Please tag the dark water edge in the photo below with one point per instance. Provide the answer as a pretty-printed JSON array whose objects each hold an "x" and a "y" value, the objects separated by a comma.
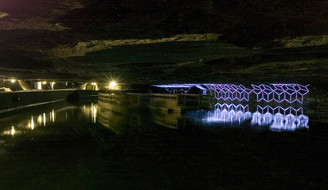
[{"x": 80, "y": 154}]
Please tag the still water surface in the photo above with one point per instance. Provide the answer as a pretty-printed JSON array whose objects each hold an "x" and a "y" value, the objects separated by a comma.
[{"x": 161, "y": 145}]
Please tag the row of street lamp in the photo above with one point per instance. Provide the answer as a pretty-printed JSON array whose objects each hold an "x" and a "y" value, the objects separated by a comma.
[{"x": 39, "y": 85}]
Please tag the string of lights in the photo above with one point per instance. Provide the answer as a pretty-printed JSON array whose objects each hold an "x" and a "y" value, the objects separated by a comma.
[{"x": 289, "y": 93}]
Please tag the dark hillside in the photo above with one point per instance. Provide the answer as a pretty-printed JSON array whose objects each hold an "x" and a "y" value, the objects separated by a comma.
[{"x": 241, "y": 21}]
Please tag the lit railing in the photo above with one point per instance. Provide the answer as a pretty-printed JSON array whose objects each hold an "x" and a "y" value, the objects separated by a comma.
[
  {"x": 280, "y": 92},
  {"x": 289, "y": 93},
  {"x": 230, "y": 91}
]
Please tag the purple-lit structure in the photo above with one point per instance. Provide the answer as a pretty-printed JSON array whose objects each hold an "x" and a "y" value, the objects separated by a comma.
[
  {"x": 277, "y": 118},
  {"x": 289, "y": 93},
  {"x": 230, "y": 92},
  {"x": 176, "y": 88},
  {"x": 280, "y": 92}
]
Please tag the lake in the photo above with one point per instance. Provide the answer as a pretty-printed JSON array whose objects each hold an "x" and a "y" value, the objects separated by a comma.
[{"x": 165, "y": 142}]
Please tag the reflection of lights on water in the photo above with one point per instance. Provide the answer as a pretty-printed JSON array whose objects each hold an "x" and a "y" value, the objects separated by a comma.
[
  {"x": 93, "y": 113},
  {"x": 284, "y": 121},
  {"x": 279, "y": 118},
  {"x": 228, "y": 113},
  {"x": 225, "y": 116},
  {"x": 289, "y": 122},
  {"x": 44, "y": 119},
  {"x": 86, "y": 111},
  {"x": 90, "y": 112},
  {"x": 31, "y": 123},
  {"x": 12, "y": 131},
  {"x": 39, "y": 119},
  {"x": 52, "y": 116},
  {"x": 279, "y": 121}
]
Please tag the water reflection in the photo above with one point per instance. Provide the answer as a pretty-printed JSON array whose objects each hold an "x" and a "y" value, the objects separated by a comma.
[
  {"x": 173, "y": 111},
  {"x": 228, "y": 113},
  {"x": 29, "y": 122},
  {"x": 52, "y": 115},
  {"x": 111, "y": 120},
  {"x": 277, "y": 118},
  {"x": 90, "y": 112},
  {"x": 10, "y": 132},
  {"x": 120, "y": 112}
]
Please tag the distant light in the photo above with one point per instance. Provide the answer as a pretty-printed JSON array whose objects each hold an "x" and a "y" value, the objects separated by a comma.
[
  {"x": 44, "y": 82},
  {"x": 95, "y": 86},
  {"x": 31, "y": 123},
  {"x": 84, "y": 86},
  {"x": 112, "y": 84},
  {"x": 39, "y": 86},
  {"x": 12, "y": 80},
  {"x": 12, "y": 131},
  {"x": 52, "y": 84}
]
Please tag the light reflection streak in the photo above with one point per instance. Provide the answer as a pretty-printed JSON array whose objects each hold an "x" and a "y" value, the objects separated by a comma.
[
  {"x": 42, "y": 119},
  {"x": 90, "y": 112},
  {"x": 39, "y": 120},
  {"x": 93, "y": 113},
  {"x": 277, "y": 119},
  {"x": 228, "y": 113},
  {"x": 52, "y": 115},
  {"x": 31, "y": 123},
  {"x": 11, "y": 132},
  {"x": 280, "y": 122}
]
